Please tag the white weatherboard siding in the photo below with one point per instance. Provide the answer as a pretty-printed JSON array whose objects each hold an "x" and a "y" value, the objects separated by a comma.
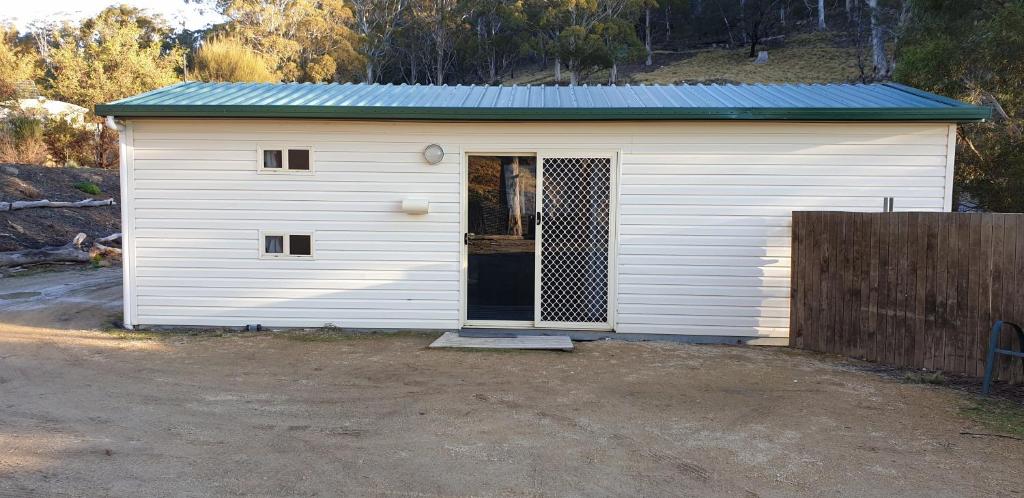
[{"x": 703, "y": 222}]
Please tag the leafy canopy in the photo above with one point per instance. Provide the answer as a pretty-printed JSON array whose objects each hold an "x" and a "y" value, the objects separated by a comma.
[
  {"x": 118, "y": 53},
  {"x": 18, "y": 64},
  {"x": 972, "y": 51}
]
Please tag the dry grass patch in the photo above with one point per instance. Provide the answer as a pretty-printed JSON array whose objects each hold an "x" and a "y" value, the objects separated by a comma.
[
  {"x": 810, "y": 58},
  {"x": 806, "y": 59}
]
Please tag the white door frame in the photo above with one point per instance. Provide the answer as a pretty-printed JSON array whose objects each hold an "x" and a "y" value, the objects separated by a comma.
[{"x": 613, "y": 229}]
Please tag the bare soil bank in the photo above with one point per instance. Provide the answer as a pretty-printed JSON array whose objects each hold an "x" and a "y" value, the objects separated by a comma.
[{"x": 33, "y": 228}]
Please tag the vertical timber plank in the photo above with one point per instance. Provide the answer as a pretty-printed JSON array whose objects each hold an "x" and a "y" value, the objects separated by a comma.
[
  {"x": 963, "y": 277},
  {"x": 884, "y": 286},
  {"x": 923, "y": 258},
  {"x": 810, "y": 265},
  {"x": 944, "y": 296},
  {"x": 902, "y": 251},
  {"x": 995, "y": 285},
  {"x": 863, "y": 281},
  {"x": 797, "y": 265},
  {"x": 829, "y": 232},
  {"x": 871, "y": 352},
  {"x": 842, "y": 284},
  {"x": 931, "y": 339},
  {"x": 974, "y": 303},
  {"x": 1018, "y": 288},
  {"x": 984, "y": 290},
  {"x": 1004, "y": 296}
]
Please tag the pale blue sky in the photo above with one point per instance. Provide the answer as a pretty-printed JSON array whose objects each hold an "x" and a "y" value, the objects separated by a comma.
[{"x": 23, "y": 12}]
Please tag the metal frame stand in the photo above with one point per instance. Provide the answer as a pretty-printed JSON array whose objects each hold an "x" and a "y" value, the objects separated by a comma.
[{"x": 993, "y": 350}]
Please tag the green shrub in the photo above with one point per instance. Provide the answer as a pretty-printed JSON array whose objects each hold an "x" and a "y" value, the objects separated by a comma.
[
  {"x": 22, "y": 128},
  {"x": 69, "y": 144},
  {"x": 88, "y": 187}
]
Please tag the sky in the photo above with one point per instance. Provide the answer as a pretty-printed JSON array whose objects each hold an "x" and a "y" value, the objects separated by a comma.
[{"x": 177, "y": 12}]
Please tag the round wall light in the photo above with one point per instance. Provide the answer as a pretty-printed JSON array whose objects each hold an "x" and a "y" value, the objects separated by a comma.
[{"x": 433, "y": 154}]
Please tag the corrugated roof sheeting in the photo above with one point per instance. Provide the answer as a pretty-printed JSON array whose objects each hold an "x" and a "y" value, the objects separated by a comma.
[{"x": 884, "y": 101}]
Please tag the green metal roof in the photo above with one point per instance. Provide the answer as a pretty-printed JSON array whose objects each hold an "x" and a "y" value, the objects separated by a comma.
[{"x": 815, "y": 102}]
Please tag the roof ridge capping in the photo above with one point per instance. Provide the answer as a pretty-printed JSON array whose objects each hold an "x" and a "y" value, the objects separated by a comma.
[{"x": 803, "y": 102}]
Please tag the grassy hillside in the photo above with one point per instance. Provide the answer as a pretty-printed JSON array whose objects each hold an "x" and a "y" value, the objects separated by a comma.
[{"x": 806, "y": 58}]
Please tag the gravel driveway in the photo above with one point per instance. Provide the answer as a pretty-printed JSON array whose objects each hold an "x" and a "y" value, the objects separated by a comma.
[{"x": 93, "y": 413}]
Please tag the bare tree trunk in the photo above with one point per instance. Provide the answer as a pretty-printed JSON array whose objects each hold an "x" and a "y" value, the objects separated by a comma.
[
  {"x": 881, "y": 61},
  {"x": 743, "y": 24},
  {"x": 647, "y": 39},
  {"x": 668, "y": 23},
  {"x": 821, "y": 16},
  {"x": 849, "y": 8},
  {"x": 728, "y": 29},
  {"x": 574, "y": 77},
  {"x": 558, "y": 69},
  {"x": 613, "y": 73},
  {"x": 439, "y": 67},
  {"x": 369, "y": 72},
  {"x": 514, "y": 194}
]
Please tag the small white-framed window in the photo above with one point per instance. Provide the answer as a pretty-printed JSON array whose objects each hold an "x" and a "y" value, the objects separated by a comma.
[
  {"x": 274, "y": 158},
  {"x": 275, "y": 244}
]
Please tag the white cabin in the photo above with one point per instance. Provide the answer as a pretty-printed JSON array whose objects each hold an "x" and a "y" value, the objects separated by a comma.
[{"x": 637, "y": 210}]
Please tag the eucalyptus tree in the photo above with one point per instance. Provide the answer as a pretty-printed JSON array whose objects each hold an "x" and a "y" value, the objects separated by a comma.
[
  {"x": 498, "y": 36},
  {"x": 377, "y": 21}
]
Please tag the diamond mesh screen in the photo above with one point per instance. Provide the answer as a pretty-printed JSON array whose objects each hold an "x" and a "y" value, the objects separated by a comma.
[{"x": 574, "y": 245}]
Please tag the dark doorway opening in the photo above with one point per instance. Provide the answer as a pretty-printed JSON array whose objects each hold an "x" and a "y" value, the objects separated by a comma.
[{"x": 501, "y": 238}]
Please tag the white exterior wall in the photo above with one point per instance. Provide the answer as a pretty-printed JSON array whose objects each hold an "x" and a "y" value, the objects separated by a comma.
[{"x": 703, "y": 222}]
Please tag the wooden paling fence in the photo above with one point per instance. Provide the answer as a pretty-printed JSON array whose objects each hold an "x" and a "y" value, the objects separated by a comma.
[{"x": 908, "y": 289}]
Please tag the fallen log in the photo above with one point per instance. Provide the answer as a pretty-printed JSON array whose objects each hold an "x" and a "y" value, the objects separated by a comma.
[
  {"x": 102, "y": 250},
  {"x": 70, "y": 252},
  {"x": 12, "y": 206},
  {"x": 109, "y": 238}
]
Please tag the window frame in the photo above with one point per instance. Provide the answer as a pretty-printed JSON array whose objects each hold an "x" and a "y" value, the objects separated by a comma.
[
  {"x": 286, "y": 235},
  {"x": 284, "y": 169}
]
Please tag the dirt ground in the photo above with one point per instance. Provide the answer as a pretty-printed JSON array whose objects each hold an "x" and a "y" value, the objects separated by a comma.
[
  {"x": 90, "y": 412},
  {"x": 33, "y": 228}
]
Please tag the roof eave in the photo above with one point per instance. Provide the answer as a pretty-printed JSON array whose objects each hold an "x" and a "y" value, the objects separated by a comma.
[{"x": 944, "y": 114}]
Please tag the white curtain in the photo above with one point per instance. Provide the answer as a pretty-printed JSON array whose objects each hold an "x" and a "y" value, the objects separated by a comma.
[
  {"x": 272, "y": 159},
  {"x": 274, "y": 244}
]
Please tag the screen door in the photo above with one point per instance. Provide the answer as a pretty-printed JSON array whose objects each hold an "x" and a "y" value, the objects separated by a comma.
[{"x": 575, "y": 234}]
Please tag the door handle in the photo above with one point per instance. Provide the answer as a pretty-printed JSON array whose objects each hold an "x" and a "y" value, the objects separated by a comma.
[{"x": 538, "y": 218}]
